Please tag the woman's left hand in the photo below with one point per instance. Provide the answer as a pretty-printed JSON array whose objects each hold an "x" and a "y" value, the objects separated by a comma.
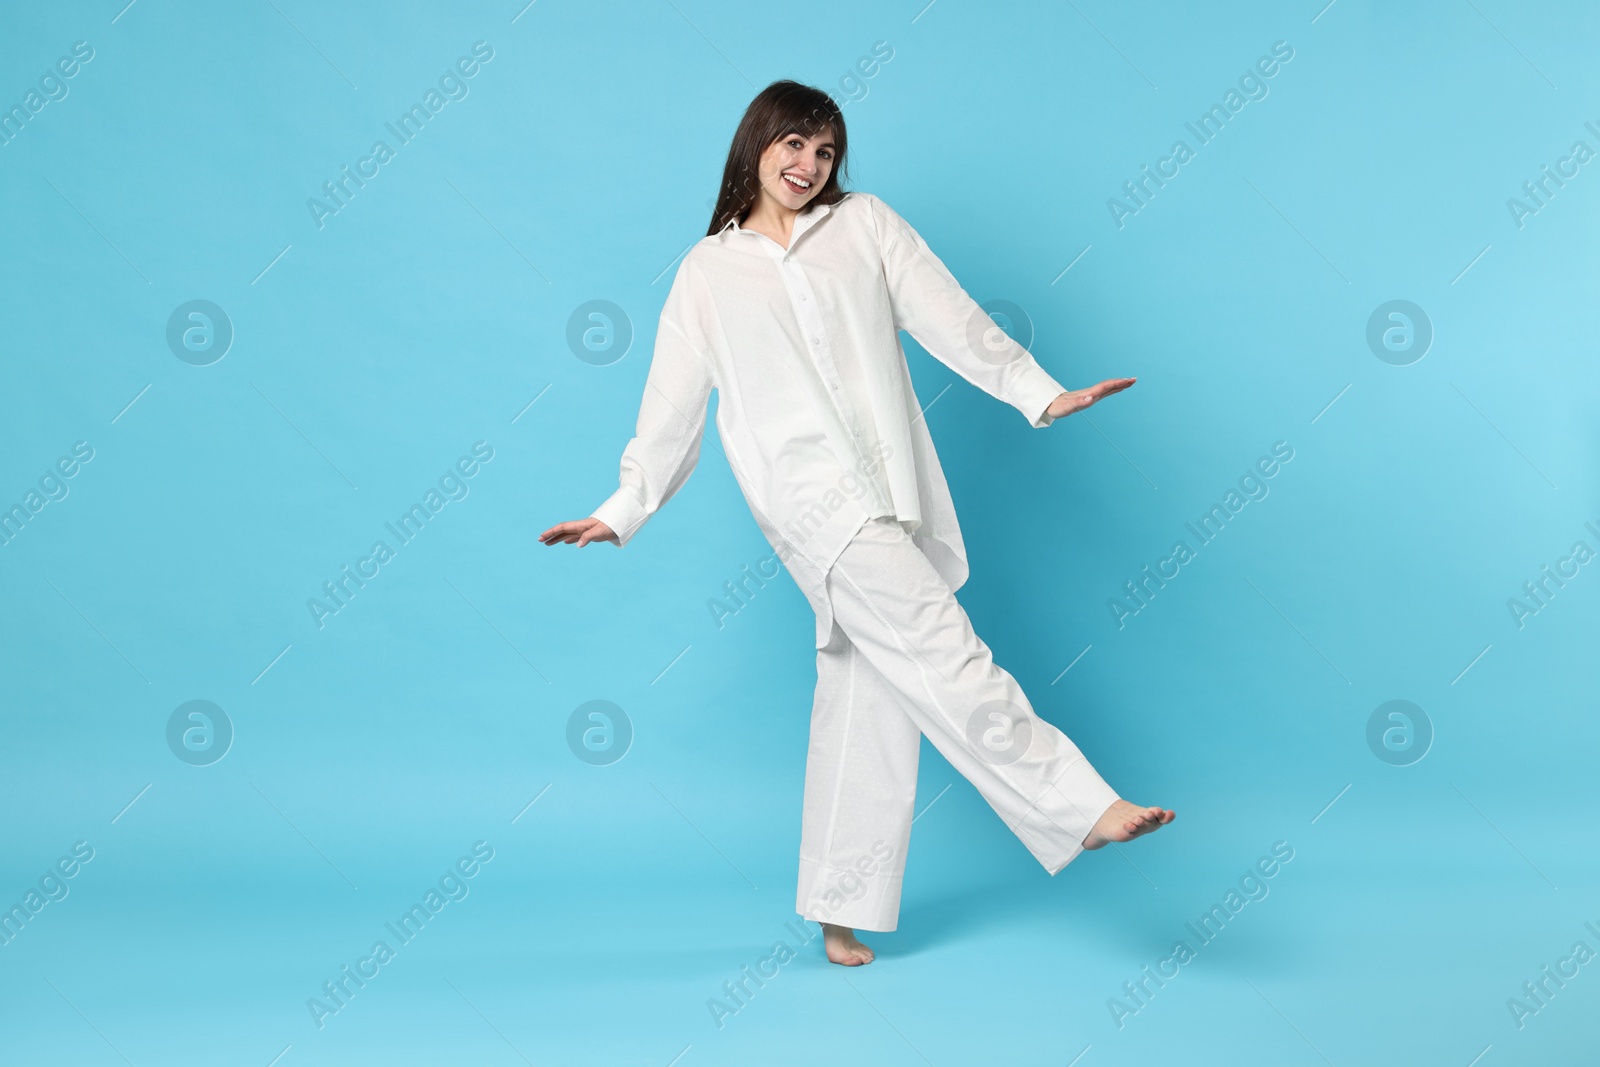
[{"x": 1078, "y": 399}]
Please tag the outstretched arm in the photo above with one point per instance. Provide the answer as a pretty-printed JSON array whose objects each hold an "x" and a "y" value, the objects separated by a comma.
[
  {"x": 666, "y": 442},
  {"x": 931, "y": 306}
]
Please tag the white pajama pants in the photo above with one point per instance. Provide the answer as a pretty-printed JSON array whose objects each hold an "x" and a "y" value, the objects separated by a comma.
[{"x": 903, "y": 661}]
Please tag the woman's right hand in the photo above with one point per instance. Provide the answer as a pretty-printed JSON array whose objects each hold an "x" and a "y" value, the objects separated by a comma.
[{"x": 580, "y": 530}]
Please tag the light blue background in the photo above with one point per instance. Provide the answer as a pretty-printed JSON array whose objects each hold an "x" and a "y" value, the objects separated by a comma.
[{"x": 431, "y": 312}]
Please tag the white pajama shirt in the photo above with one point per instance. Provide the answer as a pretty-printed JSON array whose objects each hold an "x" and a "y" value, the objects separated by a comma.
[
  {"x": 816, "y": 411},
  {"x": 823, "y": 433}
]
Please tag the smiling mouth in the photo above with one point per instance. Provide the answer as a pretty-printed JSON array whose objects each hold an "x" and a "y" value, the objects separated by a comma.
[{"x": 799, "y": 185}]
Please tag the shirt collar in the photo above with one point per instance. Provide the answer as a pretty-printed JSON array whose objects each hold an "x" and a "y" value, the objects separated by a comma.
[{"x": 802, "y": 222}]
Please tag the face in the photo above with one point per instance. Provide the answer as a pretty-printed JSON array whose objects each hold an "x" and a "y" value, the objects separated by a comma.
[{"x": 806, "y": 160}]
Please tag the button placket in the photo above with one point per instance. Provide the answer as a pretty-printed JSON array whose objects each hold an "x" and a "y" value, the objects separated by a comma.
[
  {"x": 794, "y": 281},
  {"x": 814, "y": 330},
  {"x": 810, "y": 320}
]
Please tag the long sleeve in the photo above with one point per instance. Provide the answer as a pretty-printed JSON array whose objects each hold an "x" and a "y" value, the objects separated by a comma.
[
  {"x": 672, "y": 417},
  {"x": 932, "y": 307}
]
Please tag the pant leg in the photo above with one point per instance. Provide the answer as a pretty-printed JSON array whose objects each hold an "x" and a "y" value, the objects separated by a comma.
[
  {"x": 860, "y": 792},
  {"x": 905, "y": 620}
]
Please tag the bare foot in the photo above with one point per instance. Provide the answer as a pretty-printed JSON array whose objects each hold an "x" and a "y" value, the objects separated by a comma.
[
  {"x": 842, "y": 946},
  {"x": 1124, "y": 822}
]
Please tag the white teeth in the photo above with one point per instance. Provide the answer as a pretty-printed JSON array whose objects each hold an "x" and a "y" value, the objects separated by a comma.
[{"x": 802, "y": 183}]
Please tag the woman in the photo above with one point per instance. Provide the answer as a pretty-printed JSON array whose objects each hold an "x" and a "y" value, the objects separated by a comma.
[{"x": 790, "y": 307}]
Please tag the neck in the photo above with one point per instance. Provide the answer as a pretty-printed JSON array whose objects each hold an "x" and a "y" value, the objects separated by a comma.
[{"x": 769, "y": 215}]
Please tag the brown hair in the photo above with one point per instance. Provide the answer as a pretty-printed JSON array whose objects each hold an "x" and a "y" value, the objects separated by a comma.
[{"x": 782, "y": 107}]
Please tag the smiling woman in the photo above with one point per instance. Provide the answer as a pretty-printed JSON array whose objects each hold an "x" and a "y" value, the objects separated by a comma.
[
  {"x": 757, "y": 152},
  {"x": 791, "y": 308}
]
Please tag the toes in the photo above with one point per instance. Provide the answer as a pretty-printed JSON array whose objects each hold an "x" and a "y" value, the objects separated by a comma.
[{"x": 1135, "y": 822}]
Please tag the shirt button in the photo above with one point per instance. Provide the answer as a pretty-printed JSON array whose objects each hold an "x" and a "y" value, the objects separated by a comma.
[
  {"x": 802, "y": 296},
  {"x": 816, "y": 340}
]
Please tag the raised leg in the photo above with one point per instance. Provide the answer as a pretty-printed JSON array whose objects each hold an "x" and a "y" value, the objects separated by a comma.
[{"x": 904, "y": 620}]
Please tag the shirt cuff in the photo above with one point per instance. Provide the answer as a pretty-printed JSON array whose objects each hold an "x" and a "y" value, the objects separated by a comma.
[
  {"x": 1032, "y": 391},
  {"x": 622, "y": 513}
]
